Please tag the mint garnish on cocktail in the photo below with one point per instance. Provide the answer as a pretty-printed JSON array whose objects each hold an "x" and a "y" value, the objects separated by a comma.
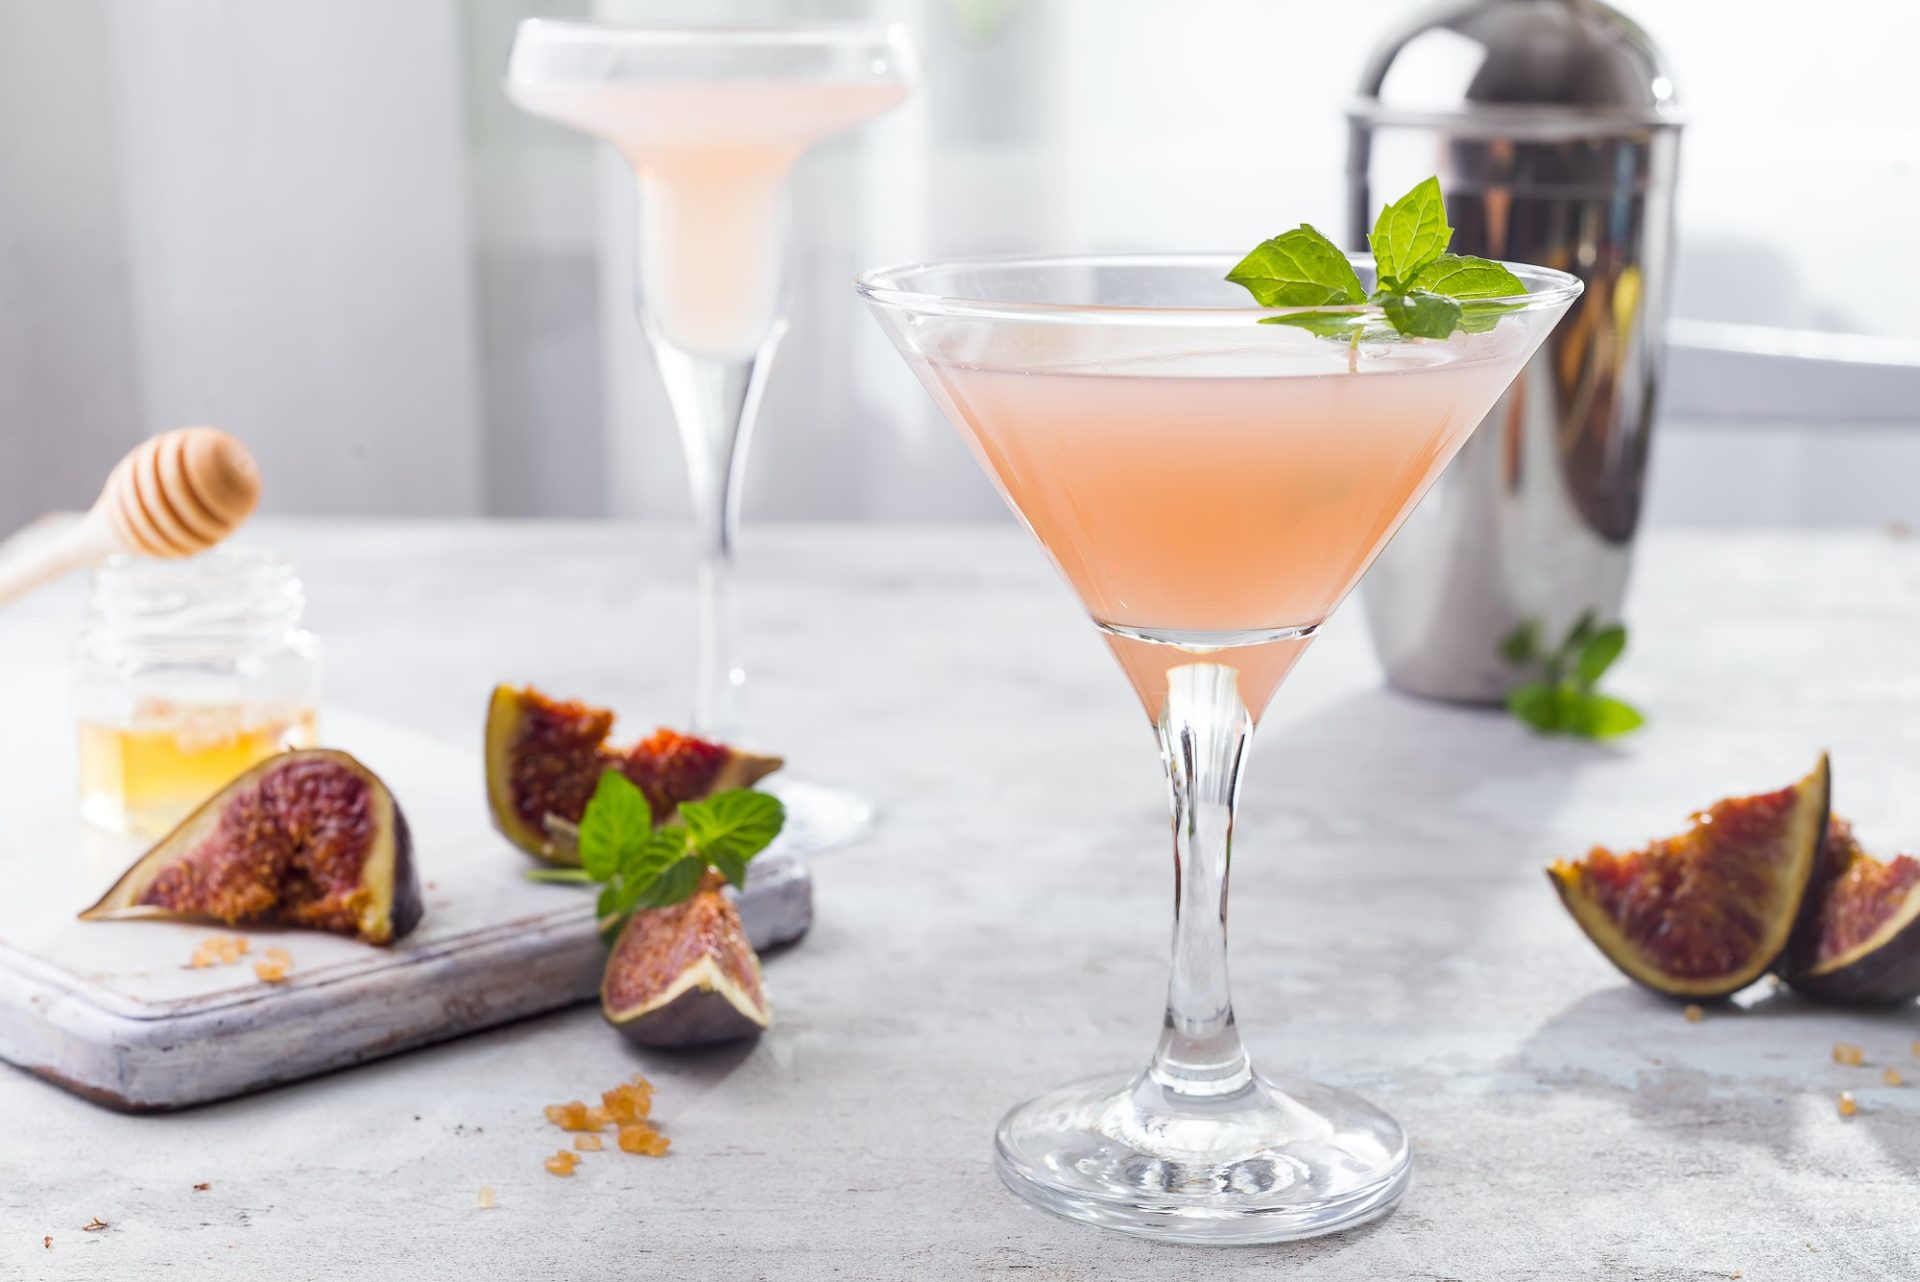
[{"x": 1424, "y": 291}]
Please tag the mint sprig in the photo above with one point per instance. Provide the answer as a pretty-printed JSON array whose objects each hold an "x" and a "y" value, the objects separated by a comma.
[
  {"x": 1565, "y": 701},
  {"x": 640, "y": 866},
  {"x": 1424, "y": 291}
]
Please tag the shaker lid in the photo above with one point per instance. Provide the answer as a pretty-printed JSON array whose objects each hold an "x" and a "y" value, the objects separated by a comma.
[{"x": 1528, "y": 68}]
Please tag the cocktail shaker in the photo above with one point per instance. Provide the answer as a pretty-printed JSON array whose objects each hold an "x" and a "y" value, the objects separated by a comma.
[{"x": 1553, "y": 129}]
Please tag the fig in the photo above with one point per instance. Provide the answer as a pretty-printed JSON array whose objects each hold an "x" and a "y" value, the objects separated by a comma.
[
  {"x": 310, "y": 839},
  {"x": 544, "y": 757},
  {"x": 685, "y": 975},
  {"x": 1860, "y": 940},
  {"x": 1705, "y": 913}
]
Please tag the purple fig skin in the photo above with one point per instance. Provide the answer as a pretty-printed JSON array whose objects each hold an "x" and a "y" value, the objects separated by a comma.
[
  {"x": 407, "y": 907},
  {"x": 1887, "y": 976},
  {"x": 697, "y": 1017}
]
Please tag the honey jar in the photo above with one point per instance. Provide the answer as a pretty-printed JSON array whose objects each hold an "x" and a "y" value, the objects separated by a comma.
[{"x": 187, "y": 673}]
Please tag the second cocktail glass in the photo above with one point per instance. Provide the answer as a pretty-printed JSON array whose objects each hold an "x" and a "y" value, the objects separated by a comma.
[
  {"x": 713, "y": 120},
  {"x": 1211, "y": 486}
]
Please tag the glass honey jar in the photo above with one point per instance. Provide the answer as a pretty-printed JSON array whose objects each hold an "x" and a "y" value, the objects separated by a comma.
[{"x": 187, "y": 673}]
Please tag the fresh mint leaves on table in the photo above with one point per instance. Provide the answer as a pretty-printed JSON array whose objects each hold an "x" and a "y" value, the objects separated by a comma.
[
  {"x": 1424, "y": 291},
  {"x": 641, "y": 866},
  {"x": 1565, "y": 701}
]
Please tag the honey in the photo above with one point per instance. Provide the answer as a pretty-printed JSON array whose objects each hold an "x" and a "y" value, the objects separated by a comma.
[{"x": 144, "y": 778}]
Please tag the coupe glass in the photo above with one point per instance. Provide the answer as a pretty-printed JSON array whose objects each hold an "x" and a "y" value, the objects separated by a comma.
[
  {"x": 1211, "y": 487},
  {"x": 713, "y": 120}
]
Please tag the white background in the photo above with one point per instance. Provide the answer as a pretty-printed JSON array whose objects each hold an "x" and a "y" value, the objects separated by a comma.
[{"x": 321, "y": 226}]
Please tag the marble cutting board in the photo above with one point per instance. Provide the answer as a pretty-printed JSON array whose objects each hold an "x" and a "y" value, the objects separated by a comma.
[{"x": 112, "y": 1011}]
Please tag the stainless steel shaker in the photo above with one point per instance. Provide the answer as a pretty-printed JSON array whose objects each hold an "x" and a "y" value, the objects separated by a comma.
[{"x": 1552, "y": 126}]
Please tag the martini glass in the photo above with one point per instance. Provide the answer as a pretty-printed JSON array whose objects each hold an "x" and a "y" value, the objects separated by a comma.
[
  {"x": 1211, "y": 487},
  {"x": 712, "y": 121}
]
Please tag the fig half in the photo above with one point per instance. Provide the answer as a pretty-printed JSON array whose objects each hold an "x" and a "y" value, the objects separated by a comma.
[
  {"x": 544, "y": 757},
  {"x": 1860, "y": 941},
  {"x": 310, "y": 839},
  {"x": 685, "y": 975},
  {"x": 1706, "y": 913}
]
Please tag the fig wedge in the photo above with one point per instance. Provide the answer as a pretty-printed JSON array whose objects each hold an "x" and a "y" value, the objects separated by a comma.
[
  {"x": 1704, "y": 914},
  {"x": 685, "y": 975},
  {"x": 309, "y": 839},
  {"x": 544, "y": 757},
  {"x": 1860, "y": 941}
]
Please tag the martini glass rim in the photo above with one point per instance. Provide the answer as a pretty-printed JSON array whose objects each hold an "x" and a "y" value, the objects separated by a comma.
[{"x": 892, "y": 287}]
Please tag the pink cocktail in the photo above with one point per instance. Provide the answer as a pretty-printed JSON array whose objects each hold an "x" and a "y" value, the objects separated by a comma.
[
  {"x": 1212, "y": 485},
  {"x": 713, "y": 121}
]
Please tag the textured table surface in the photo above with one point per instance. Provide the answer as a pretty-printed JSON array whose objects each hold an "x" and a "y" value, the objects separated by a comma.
[{"x": 1003, "y": 929}]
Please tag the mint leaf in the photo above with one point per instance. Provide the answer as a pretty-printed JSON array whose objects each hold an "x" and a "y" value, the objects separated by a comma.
[
  {"x": 1598, "y": 716},
  {"x": 1537, "y": 704},
  {"x": 1420, "y": 314},
  {"x": 1479, "y": 315},
  {"x": 617, "y": 817},
  {"x": 1522, "y": 645},
  {"x": 1409, "y": 234},
  {"x": 1576, "y": 640},
  {"x": 643, "y": 862},
  {"x": 1298, "y": 268},
  {"x": 1598, "y": 654},
  {"x": 640, "y": 866},
  {"x": 671, "y": 885},
  {"x": 1566, "y": 702},
  {"x": 730, "y": 828},
  {"x": 1424, "y": 291},
  {"x": 1461, "y": 276},
  {"x": 1341, "y": 325}
]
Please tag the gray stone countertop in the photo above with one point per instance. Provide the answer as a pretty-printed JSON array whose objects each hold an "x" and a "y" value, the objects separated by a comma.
[{"x": 1004, "y": 926}]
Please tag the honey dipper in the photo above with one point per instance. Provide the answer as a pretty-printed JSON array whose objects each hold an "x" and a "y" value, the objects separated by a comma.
[{"x": 173, "y": 495}]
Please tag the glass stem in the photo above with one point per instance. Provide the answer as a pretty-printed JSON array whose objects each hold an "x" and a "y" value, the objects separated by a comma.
[
  {"x": 714, "y": 401},
  {"x": 1205, "y": 731}
]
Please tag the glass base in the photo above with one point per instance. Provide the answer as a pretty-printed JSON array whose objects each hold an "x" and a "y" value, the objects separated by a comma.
[
  {"x": 818, "y": 817},
  {"x": 1277, "y": 1159}
]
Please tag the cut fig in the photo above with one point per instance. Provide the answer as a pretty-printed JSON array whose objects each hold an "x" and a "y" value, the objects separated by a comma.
[
  {"x": 1704, "y": 914},
  {"x": 1860, "y": 939},
  {"x": 310, "y": 839},
  {"x": 685, "y": 975},
  {"x": 544, "y": 757}
]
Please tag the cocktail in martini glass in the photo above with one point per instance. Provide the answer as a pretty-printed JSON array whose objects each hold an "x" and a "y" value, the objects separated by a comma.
[
  {"x": 1211, "y": 487},
  {"x": 713, "y": 121}
]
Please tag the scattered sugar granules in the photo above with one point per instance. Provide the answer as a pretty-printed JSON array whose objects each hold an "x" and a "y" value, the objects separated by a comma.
[
  {"x": 625, "y": 1108},
  {"x": 218, "y": 950},
  {"x": 273, "y": 965}
]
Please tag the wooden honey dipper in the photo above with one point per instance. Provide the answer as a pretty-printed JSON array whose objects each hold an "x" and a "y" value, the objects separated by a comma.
[{"x": 173, "y": 495}]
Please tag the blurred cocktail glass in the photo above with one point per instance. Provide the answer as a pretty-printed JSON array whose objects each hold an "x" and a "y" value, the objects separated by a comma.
[{"x": 713, "y": 121}]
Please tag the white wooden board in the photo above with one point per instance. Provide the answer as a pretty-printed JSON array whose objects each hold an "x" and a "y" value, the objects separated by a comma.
[{"x": 113, "y": 1011}]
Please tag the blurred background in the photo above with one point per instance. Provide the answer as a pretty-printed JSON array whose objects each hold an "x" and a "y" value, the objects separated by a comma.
[{"x": 322, "y": 226}]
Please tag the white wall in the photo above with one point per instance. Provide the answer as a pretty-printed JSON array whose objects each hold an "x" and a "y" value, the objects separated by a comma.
[
  {"x": 243, "y": 212},
  {"x": 67, "y": 400}
]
